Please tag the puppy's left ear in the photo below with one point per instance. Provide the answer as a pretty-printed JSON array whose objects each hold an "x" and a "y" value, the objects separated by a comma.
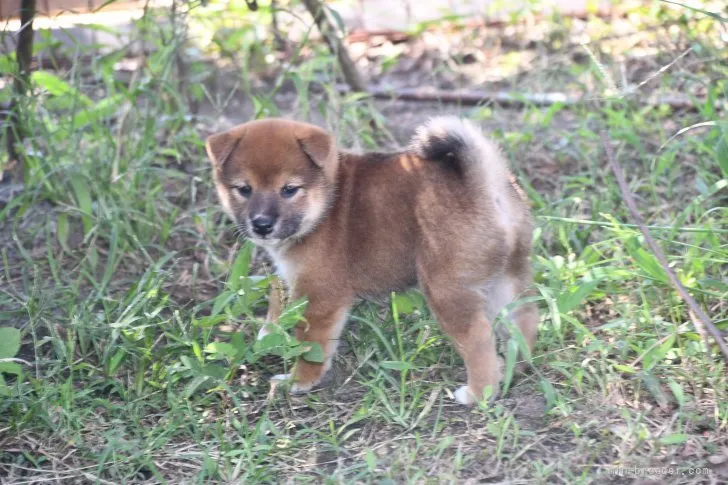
[{"x": 318, "y": 146}]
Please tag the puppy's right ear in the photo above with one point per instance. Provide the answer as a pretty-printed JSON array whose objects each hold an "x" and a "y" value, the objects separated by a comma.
[{"x": 221, "y": 145}]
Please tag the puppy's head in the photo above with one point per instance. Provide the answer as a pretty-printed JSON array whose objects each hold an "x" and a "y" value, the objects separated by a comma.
[{"x": 276, "y": 178}]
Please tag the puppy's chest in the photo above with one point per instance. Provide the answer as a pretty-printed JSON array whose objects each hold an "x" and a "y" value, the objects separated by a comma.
[{"x": 285, "y": 267}]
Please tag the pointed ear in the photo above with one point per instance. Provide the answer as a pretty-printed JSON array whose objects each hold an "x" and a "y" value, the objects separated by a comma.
[
  {"x": 221, "y": 145},
  {"x": 319, "y": 146}
]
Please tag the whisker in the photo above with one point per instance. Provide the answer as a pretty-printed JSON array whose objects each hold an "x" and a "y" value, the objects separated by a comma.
[{"x": 240, "y": 231}]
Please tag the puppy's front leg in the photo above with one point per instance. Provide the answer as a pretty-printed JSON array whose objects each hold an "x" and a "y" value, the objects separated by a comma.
[{"x": 325, "y": 319}]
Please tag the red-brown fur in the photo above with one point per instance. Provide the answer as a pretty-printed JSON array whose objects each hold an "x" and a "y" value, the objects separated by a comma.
[{"x": 382, "y": 222}]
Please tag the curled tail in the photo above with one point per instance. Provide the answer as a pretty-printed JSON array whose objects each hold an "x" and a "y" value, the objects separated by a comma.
[{"x": 459, "y": 145}]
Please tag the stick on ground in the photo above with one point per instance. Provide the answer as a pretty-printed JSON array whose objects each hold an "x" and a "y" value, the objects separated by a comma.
[
  {"x": 474, "y": 97},
  {"x": 702, "y": 317}
]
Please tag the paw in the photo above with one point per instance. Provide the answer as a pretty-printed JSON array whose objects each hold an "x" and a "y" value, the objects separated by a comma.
[
  {"x": 463, "y": 396},
  {"x": 302, "y": 386},
  {"x": 297, "y": 388}
]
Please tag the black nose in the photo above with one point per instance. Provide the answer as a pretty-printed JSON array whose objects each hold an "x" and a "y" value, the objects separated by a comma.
[{"x": 263, "y": 225}]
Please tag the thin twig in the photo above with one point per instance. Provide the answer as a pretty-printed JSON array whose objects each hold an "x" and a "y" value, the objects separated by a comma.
[
  {"x": 281, "y": 42},
  {"x": 702, "y": 317},
  {"x": 662, "y": 69}
]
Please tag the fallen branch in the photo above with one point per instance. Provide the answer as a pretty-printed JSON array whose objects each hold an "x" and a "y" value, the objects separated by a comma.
[
  {"x": 702, "y": 318},
  {"x": 478, "y": 97},
  {"x": 467, "y": 97}
]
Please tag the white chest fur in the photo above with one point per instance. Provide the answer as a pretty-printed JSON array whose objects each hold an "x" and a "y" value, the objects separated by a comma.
[{"x": 285, "y": 268}]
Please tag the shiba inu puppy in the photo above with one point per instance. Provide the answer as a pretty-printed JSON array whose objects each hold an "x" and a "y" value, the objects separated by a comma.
[{"x": 445, "y": 215}]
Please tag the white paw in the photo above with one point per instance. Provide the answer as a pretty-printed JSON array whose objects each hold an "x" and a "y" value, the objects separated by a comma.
[
  {"x": 463, "y": 396},
  {"x": 296, "y": 387}
]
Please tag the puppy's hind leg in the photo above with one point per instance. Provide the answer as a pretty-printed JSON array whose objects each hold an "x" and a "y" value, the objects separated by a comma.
[
  {"x": 461, "y": 313},
  {"x": 524, "y": 317}
]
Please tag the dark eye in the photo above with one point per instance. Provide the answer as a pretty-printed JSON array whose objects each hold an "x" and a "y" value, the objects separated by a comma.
[
  {"x": 244, "y": 190},
  {"x": 289, "y": 191}
]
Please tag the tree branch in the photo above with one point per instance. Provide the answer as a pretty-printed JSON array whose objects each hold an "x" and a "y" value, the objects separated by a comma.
[
  {"x": 470, "y": 97},
  {"x": 702, "y": 317},
  {"x": 336, "y": 45},
  {"x": 15, "y": 123}
]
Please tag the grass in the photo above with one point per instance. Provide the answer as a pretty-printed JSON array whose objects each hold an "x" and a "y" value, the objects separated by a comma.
[{"x": 137, "y": 307}]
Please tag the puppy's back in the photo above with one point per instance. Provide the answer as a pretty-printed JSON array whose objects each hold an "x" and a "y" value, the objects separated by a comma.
[{"x": 451, "y": 190}]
